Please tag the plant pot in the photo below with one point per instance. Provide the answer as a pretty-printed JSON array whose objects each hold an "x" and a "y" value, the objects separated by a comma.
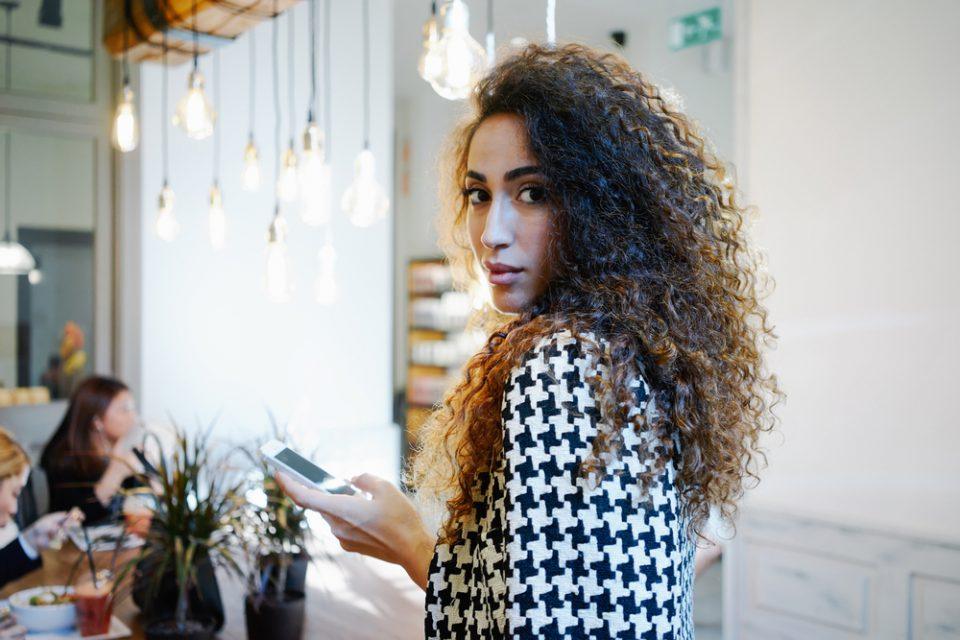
[
  {"x": 166, "y": 629},
  {"x": 296, "y": 573},
  {"x": 269, "y": 618},
  {"x": 159, "y": 601}
]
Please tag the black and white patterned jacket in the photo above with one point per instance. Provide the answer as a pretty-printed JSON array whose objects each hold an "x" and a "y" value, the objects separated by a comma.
[{"x": 550, "y": 555}]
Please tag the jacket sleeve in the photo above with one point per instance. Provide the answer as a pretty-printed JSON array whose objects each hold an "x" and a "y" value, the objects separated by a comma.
[
  {"x": 15, "y": 563},
  {"x": 581, "y": 556}
]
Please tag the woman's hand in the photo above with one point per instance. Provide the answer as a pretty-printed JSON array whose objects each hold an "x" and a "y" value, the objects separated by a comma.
[
  {"x": 121, "y": 465},
  {"x": 386, "y": 527},
  {"x": 48, "y": 530}
]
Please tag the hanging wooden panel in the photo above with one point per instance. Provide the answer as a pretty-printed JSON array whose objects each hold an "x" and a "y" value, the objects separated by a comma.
[{"x": 136, "y": 26}]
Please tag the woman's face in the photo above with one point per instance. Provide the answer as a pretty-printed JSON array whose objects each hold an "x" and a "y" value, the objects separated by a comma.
[
  {"x": 119, "y": 418},
  {"x": 10, "y": 489},
  {"x": 508, "y": 215}
]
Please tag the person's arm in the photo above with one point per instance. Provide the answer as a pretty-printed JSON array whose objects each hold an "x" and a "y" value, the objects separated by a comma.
[
  {"x": 117, "y": 471},
  {"x": 386, "y": 527},
  {"x": 582, "y": 559},
  {"x": 16, "y": 562}
]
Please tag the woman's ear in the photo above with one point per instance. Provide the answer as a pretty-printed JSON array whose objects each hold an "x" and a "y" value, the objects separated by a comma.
[{"x": 97, "y": 423}]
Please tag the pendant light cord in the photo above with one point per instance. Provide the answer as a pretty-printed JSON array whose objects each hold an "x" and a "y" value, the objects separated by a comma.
[
  {"x": 326, "y": 77},
  {"x": 253, "y": 79},
  {"x": 124, "y": 61},
  {"x": 489, "y": 16},
  {"x": 551, "y": 22},
  {"x": 8, "y": 216},
  {"x": 216, "y": 124},
  {"x": 366, "y": 74},
  {"x": 313, "y": 61},
  {"x": 9, "y": 65},
  {"x": 163, "y": 106},
  {"x": 276, "y": 92},
  {"x": 291, "y": 71},
  {"x": 196, "y": 38}
]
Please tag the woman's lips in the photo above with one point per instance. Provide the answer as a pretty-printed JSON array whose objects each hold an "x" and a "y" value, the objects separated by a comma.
[{"x": 504, "y": 277}]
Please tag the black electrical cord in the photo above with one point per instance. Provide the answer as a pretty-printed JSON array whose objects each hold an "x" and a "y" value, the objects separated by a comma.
[
  {"x": 366, "y": 74},
  {"x": 313, "y": 61},
  {"x": 253, "y": 79},
  {"x": 276, "y": 93},
  {"x": 291, "y": 70},
  {"x": 216, "y": 124},
  {"x": 326, "y": 78},
  {"x": 9, "y": 11},
  {"x": 163, "y": 110},
  {"x": 196, "y": 39}
]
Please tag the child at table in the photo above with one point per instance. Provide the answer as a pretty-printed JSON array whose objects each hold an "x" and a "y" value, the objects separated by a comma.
[{"x": 22, "y": 555}]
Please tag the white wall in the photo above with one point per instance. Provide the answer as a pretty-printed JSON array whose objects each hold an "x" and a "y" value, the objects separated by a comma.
[
  {"x": 850, "y": 151},
  {"x": 424, "y": 118},
  {"x": 211, "y": 342}
]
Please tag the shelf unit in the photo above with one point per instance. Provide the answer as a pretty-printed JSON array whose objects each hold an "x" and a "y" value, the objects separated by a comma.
[{"x": 437, "y": 342}]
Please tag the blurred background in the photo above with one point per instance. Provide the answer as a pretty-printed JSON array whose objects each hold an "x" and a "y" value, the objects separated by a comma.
[{"x": 157, "y": 257}]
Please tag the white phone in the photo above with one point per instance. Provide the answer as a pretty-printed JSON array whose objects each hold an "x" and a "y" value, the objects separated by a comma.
[{"x": 283, "y": 458}]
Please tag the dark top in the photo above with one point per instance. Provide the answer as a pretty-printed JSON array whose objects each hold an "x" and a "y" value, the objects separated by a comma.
[
  {"x": 15, "y": 563},
  {"x": 69, "y": 488}
]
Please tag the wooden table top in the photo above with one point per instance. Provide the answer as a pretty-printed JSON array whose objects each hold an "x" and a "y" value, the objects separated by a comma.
[{"x": 348, "y": 596}]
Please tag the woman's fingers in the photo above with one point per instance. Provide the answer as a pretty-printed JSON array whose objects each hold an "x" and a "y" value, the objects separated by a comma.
[{"x": 345, "y": 507}]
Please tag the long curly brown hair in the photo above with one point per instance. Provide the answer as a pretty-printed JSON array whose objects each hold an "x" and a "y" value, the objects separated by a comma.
[{"x": 652, "y": 271}]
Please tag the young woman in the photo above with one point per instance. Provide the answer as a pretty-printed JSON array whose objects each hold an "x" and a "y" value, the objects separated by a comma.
[
  {"x": 89, "y": 459},
  {"x": 621, "y": 391},
  {"x": 22, "y": 555}
]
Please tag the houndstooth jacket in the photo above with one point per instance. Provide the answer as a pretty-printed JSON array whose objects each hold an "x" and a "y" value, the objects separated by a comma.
[{"x": 549, "y": 555}]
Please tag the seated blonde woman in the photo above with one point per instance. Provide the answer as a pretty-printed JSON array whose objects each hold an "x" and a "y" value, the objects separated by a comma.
[{"x": 22, "y": 555}]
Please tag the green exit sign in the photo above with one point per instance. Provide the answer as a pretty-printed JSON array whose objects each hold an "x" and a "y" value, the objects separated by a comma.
[{"x": 695, "y": 29}]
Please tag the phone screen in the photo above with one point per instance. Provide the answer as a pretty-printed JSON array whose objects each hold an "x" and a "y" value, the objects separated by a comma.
[{"x": 312, "y": 472}]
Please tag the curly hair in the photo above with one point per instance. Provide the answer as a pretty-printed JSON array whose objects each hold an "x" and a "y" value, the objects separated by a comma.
[{"x": 651, "y": 269}]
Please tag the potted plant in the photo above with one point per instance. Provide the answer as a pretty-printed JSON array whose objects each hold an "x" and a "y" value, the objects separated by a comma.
[
  {"x": 275, "y": 533},
  {"x": 194, "y": 529}
]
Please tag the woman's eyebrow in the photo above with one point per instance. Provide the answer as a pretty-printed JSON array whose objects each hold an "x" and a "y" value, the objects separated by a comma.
[{"x": 513, "y": 174}]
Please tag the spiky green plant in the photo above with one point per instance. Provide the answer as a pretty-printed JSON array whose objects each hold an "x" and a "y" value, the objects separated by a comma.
[
  {"x": 276, "y": 529},
  {"x": 197, "y": 515}
]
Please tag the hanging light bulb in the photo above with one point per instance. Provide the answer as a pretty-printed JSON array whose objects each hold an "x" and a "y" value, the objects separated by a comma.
[
  {"x": 250, "y": 173},
  {"x": 462, "y": 59},
  {"x": 35, "y": 276},
  {"x": 315, "y": 177},
  {"x": 364, "y": 200},
  {"x": 126, "y": 131},
  {"x": 166, "y": 227},
  {"x": 287, "y": 180},
  {"x": 217, "y": 219},
  {"x": 195, "y": 114},
  {"x": 429, "y": 64},
  {"x": 325, "y": 287},
  {"x": 278, "y": 276}
]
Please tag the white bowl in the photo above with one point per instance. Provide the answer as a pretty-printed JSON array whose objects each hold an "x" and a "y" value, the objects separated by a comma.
[{"x": 49, "y": 617}]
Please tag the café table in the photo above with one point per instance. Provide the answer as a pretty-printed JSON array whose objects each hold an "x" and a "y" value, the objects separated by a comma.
[{"x": 348, "y": 596}]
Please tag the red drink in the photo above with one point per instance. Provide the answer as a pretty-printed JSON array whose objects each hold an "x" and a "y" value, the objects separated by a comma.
[{"x": 94, "y": 607}]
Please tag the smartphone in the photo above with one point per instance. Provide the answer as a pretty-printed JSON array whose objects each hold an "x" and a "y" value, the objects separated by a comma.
[{"x": 283, "y": 458}]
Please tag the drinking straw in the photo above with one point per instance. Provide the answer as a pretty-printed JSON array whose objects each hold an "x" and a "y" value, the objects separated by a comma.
[{"x": 93, "y": 570}]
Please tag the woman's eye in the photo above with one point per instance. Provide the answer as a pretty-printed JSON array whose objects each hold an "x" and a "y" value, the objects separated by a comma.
[
  {"x": 475, "y": 195},
  {"x": 533, "y": 195}
]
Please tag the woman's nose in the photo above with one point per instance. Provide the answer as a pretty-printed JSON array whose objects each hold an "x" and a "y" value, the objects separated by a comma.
[{"x": 498, "y": 232}]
